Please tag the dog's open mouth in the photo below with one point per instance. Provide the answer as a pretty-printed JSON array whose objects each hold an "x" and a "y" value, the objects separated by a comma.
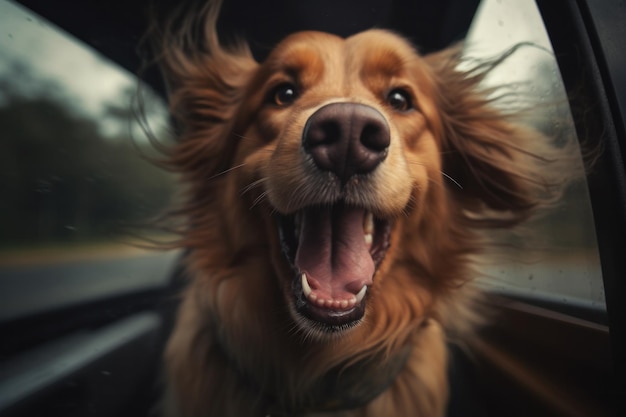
[{"x": 334, "y": 252}]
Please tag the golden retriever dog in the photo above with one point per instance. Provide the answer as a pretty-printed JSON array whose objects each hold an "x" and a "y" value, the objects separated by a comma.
[{"x": 336, "y": 194}]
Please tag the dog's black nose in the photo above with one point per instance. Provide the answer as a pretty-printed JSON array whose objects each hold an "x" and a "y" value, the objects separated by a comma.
[{"x": 346, "y": 139}]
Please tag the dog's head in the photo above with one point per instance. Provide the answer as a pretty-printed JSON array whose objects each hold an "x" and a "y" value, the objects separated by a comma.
[
  {"x": 358, "y": 168},
  {"x": 351, "y": 152}
]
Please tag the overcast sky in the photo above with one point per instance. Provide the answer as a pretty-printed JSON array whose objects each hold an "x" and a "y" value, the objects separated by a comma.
[
  {"x": 50, "y": 54},
  {"x": 501, "y": 24},
  {"x": 84, "y": 79}
]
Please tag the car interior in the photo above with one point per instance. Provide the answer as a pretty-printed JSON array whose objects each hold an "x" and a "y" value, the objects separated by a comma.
[{"x": 86, "y": 306}]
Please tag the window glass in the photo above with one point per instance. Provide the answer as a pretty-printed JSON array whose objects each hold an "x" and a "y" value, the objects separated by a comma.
[
  {"x": 74, "y": 178},
  {"x": 562, "y": 262}
]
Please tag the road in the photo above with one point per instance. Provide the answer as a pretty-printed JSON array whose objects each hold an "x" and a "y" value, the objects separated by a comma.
[{"x": 27, "y": 288}]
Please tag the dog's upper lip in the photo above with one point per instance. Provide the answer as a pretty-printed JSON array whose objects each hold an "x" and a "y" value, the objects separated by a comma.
[{"x": 333, "y": 252}]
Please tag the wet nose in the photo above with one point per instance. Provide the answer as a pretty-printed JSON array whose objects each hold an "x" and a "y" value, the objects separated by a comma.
[{"x": 346, "y": 139}]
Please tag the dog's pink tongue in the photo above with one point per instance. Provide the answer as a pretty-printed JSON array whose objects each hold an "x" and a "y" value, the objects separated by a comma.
[{"x": 332, "y": 251}]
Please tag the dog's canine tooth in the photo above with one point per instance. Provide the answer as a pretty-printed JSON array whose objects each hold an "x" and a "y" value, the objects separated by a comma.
[
  {"x": 361, "y": 294},
  {"x": 368, "y": 223},
  {"x": 306, "y": 288},
  {"x": 368, "y": 228}
]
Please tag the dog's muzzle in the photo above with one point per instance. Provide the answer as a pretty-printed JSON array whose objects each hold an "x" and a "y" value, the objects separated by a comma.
[{"x": 335, "y": 248}]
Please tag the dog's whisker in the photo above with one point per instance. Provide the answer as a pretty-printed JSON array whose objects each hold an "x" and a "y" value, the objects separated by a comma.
[
  {"x": 252, "y": 185},
  {"x": 452, "y": 179},
  {"x": 260, "y": 198},
  {"x": 226, "y": 171},
  {"x": 298, "y": 195},
  {"x": 442, "y": 173},
  {"x": 406, "y": 210},
  {"x": 293, "y": 329},
  {"x": 237, "y": 135},
  {"x": 273, "y": 211}
]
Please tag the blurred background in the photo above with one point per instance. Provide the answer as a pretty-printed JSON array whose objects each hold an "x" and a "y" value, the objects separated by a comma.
[
  {"x": 75, "y": 168},
  {"x": 74, "y": 161}
]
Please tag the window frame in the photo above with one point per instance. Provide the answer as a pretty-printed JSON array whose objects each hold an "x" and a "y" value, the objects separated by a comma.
[
  {"x": 581, "y": 49},
  {"x": 523, "y": 372}
]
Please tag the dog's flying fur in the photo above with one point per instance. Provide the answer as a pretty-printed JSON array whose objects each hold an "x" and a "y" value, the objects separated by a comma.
[{"x": 265, "y": 203}]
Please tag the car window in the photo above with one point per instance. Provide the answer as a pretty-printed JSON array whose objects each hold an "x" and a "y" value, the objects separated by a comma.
[
  {"x": 75, "y": 178},
  {"x": 560, "y": 262}
]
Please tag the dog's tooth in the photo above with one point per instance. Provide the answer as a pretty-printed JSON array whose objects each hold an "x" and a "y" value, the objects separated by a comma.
[
  {"x": 368, "y": 228},
  {"x": 330, "y": 303},
  {"x": 306, "y": 288},
  {"x": 368, "y": 223},
  {"x": 361, "y": 294}
]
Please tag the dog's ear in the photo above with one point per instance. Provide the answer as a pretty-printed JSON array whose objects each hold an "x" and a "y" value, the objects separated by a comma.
[
  {"x": 206, "y": 82},
  {"x": 496, "y": 165}
]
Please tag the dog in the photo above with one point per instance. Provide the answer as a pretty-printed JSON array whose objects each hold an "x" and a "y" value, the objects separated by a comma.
[{"x": 336, "y": 195}]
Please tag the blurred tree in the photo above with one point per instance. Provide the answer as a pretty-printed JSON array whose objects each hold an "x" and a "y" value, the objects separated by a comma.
[{"x": 62, "y": 179}]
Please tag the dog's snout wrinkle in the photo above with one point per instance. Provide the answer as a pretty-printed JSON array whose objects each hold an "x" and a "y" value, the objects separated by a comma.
[{"x": 347, "y": 139}]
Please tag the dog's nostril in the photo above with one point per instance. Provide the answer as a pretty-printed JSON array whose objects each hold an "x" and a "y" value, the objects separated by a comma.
[
  {"x": 346, "y": 139},
  {"x": 325, "y": 132},
  {"x": 375, "y": 136}
]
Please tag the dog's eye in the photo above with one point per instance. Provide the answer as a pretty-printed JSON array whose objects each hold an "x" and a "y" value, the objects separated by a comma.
[
  {"x": 284, "y": 95},
  {"x": 399, "y": 100}
]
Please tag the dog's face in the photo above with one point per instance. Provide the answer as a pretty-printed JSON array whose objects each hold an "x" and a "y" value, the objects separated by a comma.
[
  {"x": 359, "y": 168},
  {"x": 348, "y": 152}
]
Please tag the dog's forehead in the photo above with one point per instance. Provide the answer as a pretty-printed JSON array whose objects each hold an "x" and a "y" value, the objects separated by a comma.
[
  {"x": 301, "y": 48},
  {"x": 373, "y": 51},
  {"x": 381, "y": 47}
]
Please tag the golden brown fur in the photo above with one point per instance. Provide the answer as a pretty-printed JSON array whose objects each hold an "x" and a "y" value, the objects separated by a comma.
[{"x": 455, "y": 167}]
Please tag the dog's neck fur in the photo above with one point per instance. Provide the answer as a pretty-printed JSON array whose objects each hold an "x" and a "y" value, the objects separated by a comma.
[
  {"x": 349, "y": 384},
  {"x": 343, "y": 388},
  {"x": 408, "y": 380}
]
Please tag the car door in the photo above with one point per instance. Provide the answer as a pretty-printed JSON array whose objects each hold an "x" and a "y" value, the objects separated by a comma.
[{"x": 556, "y": 346}]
